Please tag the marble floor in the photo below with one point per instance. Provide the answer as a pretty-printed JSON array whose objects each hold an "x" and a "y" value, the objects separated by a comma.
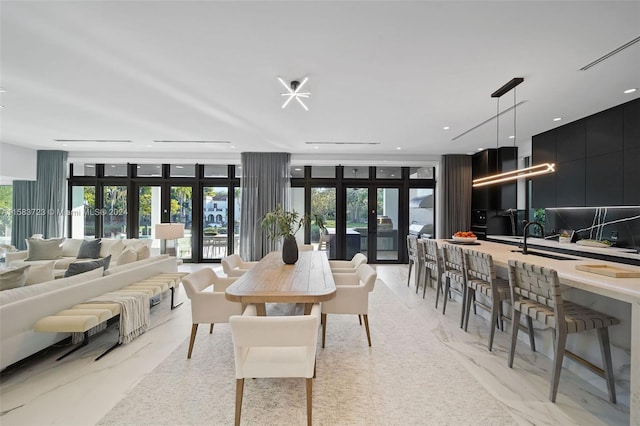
[{"x": 79, "y": 391}]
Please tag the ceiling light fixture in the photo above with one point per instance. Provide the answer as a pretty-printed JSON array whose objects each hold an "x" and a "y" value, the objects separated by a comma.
[
  {"x": 293, "y": 92},
  {"x": 630, "y": 91},
  {"x": 557, "y": 119},
  {"x": 446, "y": 128},
  {"x": 518, "y": 173}
]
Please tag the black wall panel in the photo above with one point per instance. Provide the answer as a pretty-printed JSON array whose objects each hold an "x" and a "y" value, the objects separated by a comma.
[
  {"x": 632, "y": 125},
  {"x": 571, "y": 142},
  {"x": 604, "y": 132},
  {"x": 545, "y": 148},
  {"x": 570, "y": 184},
  {"x": 604, "y": 182},
  {"x": 632, "y": 177}
]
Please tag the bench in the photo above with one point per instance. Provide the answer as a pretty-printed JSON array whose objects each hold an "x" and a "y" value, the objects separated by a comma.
[{"x": 83, "y": 317}]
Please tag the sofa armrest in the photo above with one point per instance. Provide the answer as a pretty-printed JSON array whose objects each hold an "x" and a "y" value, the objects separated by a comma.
[{"x": 16, "y": 255}]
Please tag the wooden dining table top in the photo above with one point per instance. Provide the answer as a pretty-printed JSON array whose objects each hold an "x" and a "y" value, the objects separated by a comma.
[{"x": 307, "y": 281}]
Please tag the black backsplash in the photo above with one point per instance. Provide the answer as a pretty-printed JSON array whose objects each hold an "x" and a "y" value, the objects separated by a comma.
[{"x": 627, "y": 223}]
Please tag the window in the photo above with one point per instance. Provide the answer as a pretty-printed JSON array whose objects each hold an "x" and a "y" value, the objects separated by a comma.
[
  {"x": 183, "y": 170},
  {"x": 116, "y": 170},
  {"x": 388, "y": 173},
  {"x": 83, "y": 211},
  {"x": 149, "y": 170},
  {"x": 323, "y": 172},
  {"x": 6, "y": 203},
  {"x": 216, "y": 171}
]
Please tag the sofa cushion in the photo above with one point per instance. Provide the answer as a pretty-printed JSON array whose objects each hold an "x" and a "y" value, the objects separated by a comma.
[
  {"x": 71, "y": 246},
  {"x": 143, "y": 252},
  {"x": 111, "y": 247},
  {"x": 50, "y": 249},
  {"x": 25, "y": 292},
  {"x": 80, "y": 267},
  {"x": 40, "y": 273},
  {"x": 127, "y": 256},
  {"x": 89, "y": 249},
  {"x": 13, "y": 277},
  {"x": 119, "y": 268}
]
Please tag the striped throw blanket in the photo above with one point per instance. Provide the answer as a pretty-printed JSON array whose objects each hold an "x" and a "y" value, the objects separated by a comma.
[{"x": 134, "y": 312}]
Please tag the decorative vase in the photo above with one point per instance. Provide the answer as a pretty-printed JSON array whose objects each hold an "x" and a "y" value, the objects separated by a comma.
[{"x": 289, "y": 250}]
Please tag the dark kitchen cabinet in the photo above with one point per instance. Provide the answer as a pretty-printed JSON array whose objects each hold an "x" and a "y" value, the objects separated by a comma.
[
  {"x": 543, "y": 187},
  {"x": 631, "y": 179},
  {"x": 604, "y": 180},
  {"x": 604, "y": 132},
  {"x": 571, "y": 140},
  {"x": 544, "y": 147},
  {"x": 570, "y": 184},
  {"x": 632, "y": 125}
]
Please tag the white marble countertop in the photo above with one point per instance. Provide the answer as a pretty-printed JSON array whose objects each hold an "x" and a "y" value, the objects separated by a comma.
[{"x": 541, "y": 242}]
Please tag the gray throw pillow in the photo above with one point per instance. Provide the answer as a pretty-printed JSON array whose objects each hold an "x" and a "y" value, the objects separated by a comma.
[
  {"x": 79, "y": 267},
  {"x": 89, "y": 249},
  {"x": 44, "y": 249},
  {"x": 13, "y": 278}
]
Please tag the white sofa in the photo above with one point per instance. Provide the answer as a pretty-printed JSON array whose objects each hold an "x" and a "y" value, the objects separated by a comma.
[
  {"x": 70, "y": 247},
  {"x": 22, "y": 307}
]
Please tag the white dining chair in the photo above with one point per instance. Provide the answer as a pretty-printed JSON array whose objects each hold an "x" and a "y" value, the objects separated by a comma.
[
  {"x": 275, "y": 346},
  {"x": 234, "y": 266},
  {"x": 305, "y": 247},
  {"x": 348, "y": 266},
  {"x": 352, "y": 296},
  {"x": 208, "y": 302}
]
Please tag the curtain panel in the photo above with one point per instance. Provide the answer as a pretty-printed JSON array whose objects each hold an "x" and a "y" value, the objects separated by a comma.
[
  {"x": 24, "y": 200},
  {"x": 456, "y": 194},
  {"x": 265, "y": 184}
]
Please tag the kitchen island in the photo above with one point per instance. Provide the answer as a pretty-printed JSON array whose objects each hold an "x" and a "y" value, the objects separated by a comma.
[{"x": 626, "y": 290}]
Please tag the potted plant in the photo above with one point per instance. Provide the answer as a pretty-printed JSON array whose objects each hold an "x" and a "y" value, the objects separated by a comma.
[{"x": 280, "y": 223}]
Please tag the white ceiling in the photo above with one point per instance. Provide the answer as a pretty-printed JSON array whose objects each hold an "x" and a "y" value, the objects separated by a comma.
[{"x": 393, "y": 73}]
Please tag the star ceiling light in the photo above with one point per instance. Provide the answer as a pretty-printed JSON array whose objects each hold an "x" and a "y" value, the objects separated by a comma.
[{"x": 293, "y": 92}]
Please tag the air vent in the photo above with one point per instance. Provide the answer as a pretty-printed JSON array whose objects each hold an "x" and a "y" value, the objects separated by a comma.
[
  {"x": 493, "y": 117},
  {"x": 205, "y": 142},
  {"x": 342, "y": 143},
  {"x": 92, "y": 140},
  {"x": 610, "y": 54}
]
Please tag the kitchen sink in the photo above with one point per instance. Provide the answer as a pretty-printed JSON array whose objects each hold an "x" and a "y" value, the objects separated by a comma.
[{"x": 544, "y": 254}]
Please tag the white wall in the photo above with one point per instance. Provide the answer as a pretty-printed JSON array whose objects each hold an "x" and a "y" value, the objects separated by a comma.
[{"x": 17, "y": 163}]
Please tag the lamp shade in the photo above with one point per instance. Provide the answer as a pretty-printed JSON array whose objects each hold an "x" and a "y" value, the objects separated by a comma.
[{"x": 169, "y": 231}]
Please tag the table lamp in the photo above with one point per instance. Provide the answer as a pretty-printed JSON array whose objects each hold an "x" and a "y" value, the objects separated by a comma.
[{"x": 169, "y": 231}]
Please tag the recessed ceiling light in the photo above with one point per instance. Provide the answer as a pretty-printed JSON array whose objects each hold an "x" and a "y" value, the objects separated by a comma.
[
  {"x": 469, "y": 153},
  {"x": 139, "y": 167},
  {"x": 446, "y": 128},
  {"x": 392, "y": 175},
  {"x": 480, "y": 149},
  {"x": 113, "y": 165},
  {"x": 297, "y": 169},
  {"x": 557, "y": 119},
  {"x": 630, "y": 90},
  {"x": 398, "y": 148},
  {"x": 2, "y": 90},
  {"x": 65, "y": 144},
  {"x": 233, "y": 146},
  {"x": 179, "y": 167},
  {"x": 381, "y": 171},
  {"x": 89, "y": 165},
  {"x": 315, "y": 147},
  {"x": 512, "y": 137}
]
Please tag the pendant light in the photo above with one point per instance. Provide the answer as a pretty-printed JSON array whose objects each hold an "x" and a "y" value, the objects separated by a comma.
[{"x": 519, "y": 173}]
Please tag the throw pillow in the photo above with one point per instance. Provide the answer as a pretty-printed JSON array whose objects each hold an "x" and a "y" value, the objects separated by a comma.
[
  {"x": 89, "y": 249},
  {"x": 44, "y": 249},
  {"x": 40, "y": 273},
  {"x": 127, "y": 256},
  {"x": 143, "y": 251},
  {"x": 71, "y": 246},
  {"x": 13, "y": 278},
  {"x": 111, "y": 247},
  {"x": 80, "y": 267}
]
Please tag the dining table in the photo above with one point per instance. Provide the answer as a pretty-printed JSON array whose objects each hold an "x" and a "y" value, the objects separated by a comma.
[{"x": 307, "y": 281}]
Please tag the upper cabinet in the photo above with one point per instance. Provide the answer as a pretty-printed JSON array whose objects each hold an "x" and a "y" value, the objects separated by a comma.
[{"x": 596, "y": 160}]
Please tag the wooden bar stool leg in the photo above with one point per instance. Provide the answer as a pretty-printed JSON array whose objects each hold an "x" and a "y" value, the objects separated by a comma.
[{"x": 605, "y": 349}]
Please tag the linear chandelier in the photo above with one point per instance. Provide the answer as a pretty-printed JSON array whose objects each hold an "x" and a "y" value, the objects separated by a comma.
[
  {"x": 540, "y": 169},
  {"x": 518, "y": 173}
]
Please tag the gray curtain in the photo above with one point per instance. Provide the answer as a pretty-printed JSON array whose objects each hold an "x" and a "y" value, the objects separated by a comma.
[
  {"x": 265, "y": 184},
  {"x": 24, "y": 200},
  {"x": 456, "y": 194},
  {"x": 43, "y": 200}
]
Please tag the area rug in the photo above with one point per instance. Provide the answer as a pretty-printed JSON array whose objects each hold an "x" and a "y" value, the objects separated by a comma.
[{"x": 408, "y": 377}]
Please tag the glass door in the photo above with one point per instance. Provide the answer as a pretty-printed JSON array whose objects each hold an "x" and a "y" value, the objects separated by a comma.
[
  {"x": 323, "y": 205},
  {"x": 181, "y": 211},
  {"x": 114, "y": 211},
  {"x": 387, "y": 219},
  {"x": 149, "y": 214},
  {"x": 356, "y": 223},
  {"x": 216, "y": 230}
]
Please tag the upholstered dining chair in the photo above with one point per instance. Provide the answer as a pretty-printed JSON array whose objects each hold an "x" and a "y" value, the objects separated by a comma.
[
  {"x": 352, "y": 296},
  {"x": 452, "y": 271},
  {"x": 536, "y": 292},
  {"x": 305, "y": 247},
  {"x": 208, "y": 302},
  {"x": 274, "y": 346},
  {"x": 348, "y": 266},
  {"x": 412, "y": 251},
  {"x": 234, "y": 266},
  {"x": 431, "y": 262},
  {"x": 481, "y": 278}
]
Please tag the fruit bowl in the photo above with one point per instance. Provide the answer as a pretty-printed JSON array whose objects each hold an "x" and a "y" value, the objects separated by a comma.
[{"x": 464, "y": 239}]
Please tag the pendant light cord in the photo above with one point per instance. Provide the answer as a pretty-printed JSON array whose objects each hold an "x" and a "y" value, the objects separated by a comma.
[{"x": 514, "y": 117}]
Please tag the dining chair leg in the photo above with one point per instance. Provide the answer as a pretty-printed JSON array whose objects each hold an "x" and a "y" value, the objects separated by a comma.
[
  {"x": 366, "y": 326},
  {"x": 239, "y": 390},
  {"x": 465, "y": 297},
  {"x": 427, "y": 280},
  {"x": 194, "y": 329},
  {"x": 323, "y": 320},
  {"x": 211, "y": 329},
  {"x": 409, "y": 276},
  {"x": 501, "y": 318},
  {"x": 532, "y": 336},
  {"x": 360, "y": 319},
  {"x": 605, "y": 350},
  {"x": 438, "y": 290},
  {"x": 309, "y": 405},
  {"x": 447, "y": 284},
  {"x": 467, "y": 308},
  {"x": 561, "y": 341},
  {"x": 515, "y": 326},
  {"x": 495, "y": 313}
]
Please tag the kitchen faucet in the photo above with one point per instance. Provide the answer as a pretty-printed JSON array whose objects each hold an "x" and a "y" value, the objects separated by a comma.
[{"x": 526, "y": 228}]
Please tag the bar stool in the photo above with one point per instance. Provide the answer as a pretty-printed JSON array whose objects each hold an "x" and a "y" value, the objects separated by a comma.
[
  {"x": 535, "y": 291},
  {"x": 431, "y": 263},
  {"x": 412, "y": 250},
  {"x": 481, "y": 277},
  {"x": 452, "y": 270}
]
